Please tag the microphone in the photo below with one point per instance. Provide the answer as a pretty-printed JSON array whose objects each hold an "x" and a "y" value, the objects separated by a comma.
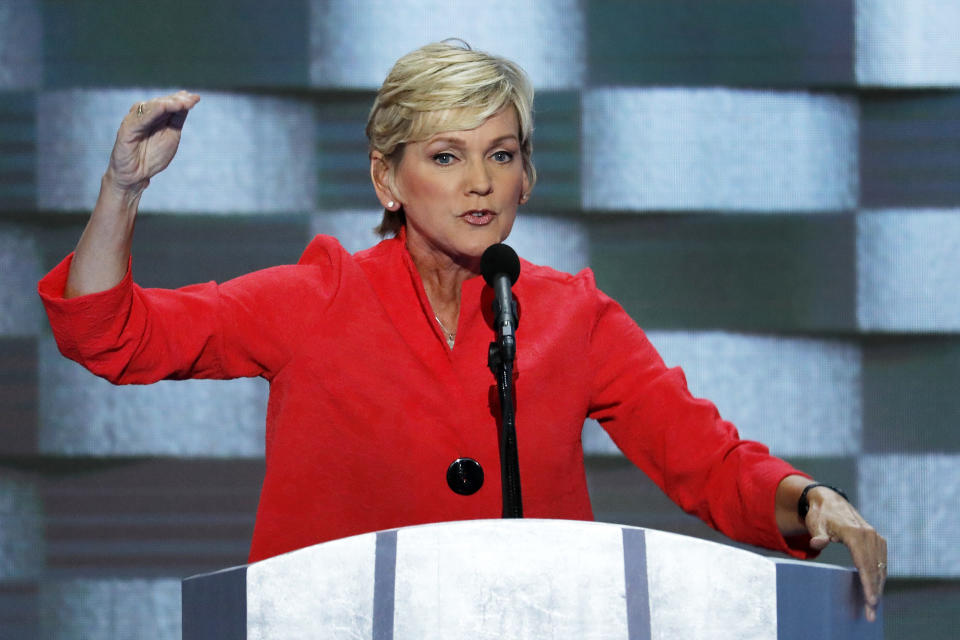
[{"x": 500, "y": 267}]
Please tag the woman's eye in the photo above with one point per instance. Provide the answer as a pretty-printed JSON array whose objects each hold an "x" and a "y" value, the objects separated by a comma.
[
  {"x": 443, "y": 158},
  {"x": 503, "y": 156}
]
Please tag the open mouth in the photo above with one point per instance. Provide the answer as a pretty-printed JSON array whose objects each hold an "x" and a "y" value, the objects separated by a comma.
[{"x": 478, "y": 216}]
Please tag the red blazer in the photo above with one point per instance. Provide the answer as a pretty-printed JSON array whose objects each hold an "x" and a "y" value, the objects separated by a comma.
[{"x": 369, "y": 406}]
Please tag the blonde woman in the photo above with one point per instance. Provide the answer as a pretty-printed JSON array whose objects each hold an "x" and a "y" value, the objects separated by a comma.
[{"x": 377, "y": 360}]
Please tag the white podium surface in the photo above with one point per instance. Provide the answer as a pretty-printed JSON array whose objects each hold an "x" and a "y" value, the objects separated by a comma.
[{"x": 525, "y": 579}]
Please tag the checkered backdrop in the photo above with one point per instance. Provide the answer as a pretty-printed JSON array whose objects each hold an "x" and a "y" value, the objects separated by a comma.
[{"x": 772, "y": 189}]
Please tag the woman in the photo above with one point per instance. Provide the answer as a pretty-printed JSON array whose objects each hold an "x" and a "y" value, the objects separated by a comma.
[{"x": 377, "y": 361}]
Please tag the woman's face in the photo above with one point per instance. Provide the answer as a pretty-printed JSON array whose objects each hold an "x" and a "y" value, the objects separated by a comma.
[{"x": 460, "y": 189}]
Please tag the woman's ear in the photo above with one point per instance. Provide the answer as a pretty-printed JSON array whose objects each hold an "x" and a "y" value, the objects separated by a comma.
[
  {"x": 380, "y": 175},
  {"x": 525, "y": 188}
]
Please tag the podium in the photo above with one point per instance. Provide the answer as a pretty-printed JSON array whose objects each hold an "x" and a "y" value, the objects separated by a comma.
[{"x": 523, "y": 579}]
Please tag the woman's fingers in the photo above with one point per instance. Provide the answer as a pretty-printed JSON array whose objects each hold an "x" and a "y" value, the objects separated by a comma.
[
  {"x": 869, "y": 552},
  {"x": 170, "y": 110},
  {"x": 148, "y": 138},
  {"x": 181, "y": 100},
  {"x": 837, "y": 521}
]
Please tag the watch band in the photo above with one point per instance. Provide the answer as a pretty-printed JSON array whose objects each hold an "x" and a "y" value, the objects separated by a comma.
[{"x": 803, "y": 506}]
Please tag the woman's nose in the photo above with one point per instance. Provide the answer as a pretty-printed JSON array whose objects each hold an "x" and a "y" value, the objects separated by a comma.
[{"x": 478, "y": 180}]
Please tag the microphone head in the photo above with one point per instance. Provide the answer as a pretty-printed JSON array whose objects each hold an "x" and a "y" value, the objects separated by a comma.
[{"x": 499, "y": 258}]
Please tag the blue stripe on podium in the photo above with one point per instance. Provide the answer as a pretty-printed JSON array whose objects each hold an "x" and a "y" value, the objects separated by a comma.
[
  {"x": 384, "y": 582},
  {"x": 805, "y": 591},
  {"x": 214, "y": 605},
  {"x": 635, "y": 581}
]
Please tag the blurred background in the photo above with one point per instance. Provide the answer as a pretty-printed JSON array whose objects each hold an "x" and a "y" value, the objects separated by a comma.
[{"x": 771, "y": 189}]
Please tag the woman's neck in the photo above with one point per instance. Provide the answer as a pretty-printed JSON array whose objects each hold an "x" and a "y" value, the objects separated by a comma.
[
  {"x": 442, "y": 279},
  {"x": 442, "y": 283}
]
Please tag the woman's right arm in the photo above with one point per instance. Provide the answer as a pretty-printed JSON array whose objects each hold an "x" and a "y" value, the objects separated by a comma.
[
  {"x": 132, "y": 335},
  {"x": 146, "y": 143}
]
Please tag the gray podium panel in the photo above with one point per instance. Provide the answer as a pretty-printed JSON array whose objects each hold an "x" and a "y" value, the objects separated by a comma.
[{"x": 525, "y": 579}]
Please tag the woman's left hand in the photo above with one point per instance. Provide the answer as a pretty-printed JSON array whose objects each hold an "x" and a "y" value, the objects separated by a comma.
[{"x": 832, "y": 519}]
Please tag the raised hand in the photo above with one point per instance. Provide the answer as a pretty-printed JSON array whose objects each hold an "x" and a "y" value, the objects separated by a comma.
[
  {"x": 146, "y": 143},
  {"x": 148, "y": 139}
]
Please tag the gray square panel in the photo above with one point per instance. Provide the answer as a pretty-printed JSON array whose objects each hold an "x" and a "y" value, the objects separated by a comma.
[
  {"x": 238, "y": 153},
  {"x": 912, "y": 500},
  {"x": 718, "y": 149},
  {"x": 907, "y": 44},
  {"x": 354, "y": 44},
  {"x": 20, "y": 268},
  {"x": 110, "y": 608},
  {"x": 908, "y": 269},
  {"x": 798, "y": 396},
  {"x": 353, "y": 229},
  {"x": 81, "y": 414}
]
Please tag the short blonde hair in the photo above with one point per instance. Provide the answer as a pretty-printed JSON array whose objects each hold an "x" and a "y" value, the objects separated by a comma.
[{"x": 467, "y": 86}]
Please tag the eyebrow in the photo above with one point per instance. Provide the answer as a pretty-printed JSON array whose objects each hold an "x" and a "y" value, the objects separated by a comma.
[{"x": 459, "y": 142}]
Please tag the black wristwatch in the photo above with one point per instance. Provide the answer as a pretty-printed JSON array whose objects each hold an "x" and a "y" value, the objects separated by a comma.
[{"x": 803, "y": 506}]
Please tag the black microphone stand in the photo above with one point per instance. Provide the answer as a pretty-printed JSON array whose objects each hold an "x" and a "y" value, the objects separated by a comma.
[{"x": 500, "y": 359}]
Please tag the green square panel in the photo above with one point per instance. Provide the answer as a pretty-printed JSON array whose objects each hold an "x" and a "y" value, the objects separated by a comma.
[
  {"x": 621, "y": 493},
  {"x": 911, "y": 401},
  {"x": 343, "y": 161},
  {"x": 19, "y": 609},
  {"x": 173, "y": 251},
  {"x": 222, "y": 43},
  {"x": 176, "y": 251},
  {"x": 738, "y": 272},
  {"x": 840, "y": 472},
  {"x": 721, "y": 42},
  {"x": 556, "y": 151},
  {"x": 18, "y": 151},
  {"x": 910, "y": 149},
  {"x": 18, "y": 395},
  {"x": 921, "y": 609},
  {"x": 148, "y": 517}
]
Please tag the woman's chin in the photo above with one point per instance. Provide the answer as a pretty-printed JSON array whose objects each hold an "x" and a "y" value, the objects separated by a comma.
[
  {"x": 478, "y": 245},
  {"x": 490, "y": 233}
]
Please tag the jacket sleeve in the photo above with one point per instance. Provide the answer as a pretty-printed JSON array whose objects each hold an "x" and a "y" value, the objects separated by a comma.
[
  {"x": 681, "y": 442},
  {"x": 132, "y": 335}
]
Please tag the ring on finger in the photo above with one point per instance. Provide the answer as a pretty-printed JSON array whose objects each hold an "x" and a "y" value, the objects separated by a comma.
[
  {"x": 140, "y": 109},
  {"x": 881, "y": 565}
]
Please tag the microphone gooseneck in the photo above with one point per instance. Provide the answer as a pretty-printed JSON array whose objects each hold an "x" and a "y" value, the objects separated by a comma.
[{"x": 501, "y": 268}]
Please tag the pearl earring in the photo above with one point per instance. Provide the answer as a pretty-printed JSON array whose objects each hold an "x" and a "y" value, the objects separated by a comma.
[{"x": 390, "y": 204}]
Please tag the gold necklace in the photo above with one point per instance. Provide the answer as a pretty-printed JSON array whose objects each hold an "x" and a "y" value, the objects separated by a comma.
[{"x": 451, "y": 337}]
